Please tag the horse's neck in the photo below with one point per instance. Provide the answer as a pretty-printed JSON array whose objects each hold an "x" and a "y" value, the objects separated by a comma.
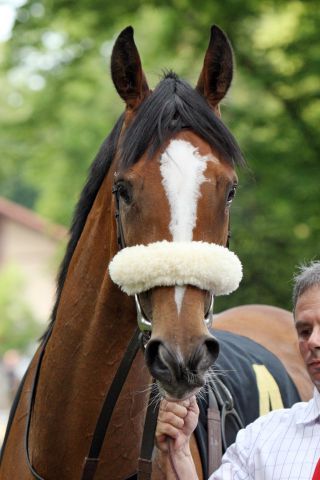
[{"x": 93, "y": 326}]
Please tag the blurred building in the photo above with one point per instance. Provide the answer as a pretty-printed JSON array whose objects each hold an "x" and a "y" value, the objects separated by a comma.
[
  {"x": 29, "y": 247},
  {"x": 30, "y": 243}
]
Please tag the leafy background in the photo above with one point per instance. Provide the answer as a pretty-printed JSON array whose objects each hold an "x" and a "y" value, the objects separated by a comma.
[{"x": 58, "y": 103}]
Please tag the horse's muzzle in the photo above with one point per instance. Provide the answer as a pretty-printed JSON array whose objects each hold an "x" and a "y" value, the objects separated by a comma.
[{"x": 177, "y": 375}]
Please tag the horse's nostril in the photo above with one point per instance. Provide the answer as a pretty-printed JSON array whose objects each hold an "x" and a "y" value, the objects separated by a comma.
[
  {"x": 204, "y": 355},
  {"x": 155, "y": 360},
  {"x": 152, "y": 351},
  {"x": 212, "y": 346}
]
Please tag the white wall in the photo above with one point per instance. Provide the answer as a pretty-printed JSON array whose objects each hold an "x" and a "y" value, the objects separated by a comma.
[{"x": 34, "y": 255}]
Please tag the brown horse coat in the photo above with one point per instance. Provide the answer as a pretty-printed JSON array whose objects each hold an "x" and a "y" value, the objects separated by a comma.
[{"x": 93, "y": 320}]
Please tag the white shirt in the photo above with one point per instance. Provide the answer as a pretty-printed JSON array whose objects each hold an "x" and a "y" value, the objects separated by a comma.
[{"x": 282, "y": 445}]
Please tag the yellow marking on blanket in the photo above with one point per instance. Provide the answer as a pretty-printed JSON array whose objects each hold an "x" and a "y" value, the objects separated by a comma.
[{"x": 269, "y": 393}]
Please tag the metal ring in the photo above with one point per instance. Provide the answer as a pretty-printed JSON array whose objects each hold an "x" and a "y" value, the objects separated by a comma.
[
  {"x": 208, "y": 316},
  {"x": 143, "y": 324},
  {"x": 233, "y": 414}
]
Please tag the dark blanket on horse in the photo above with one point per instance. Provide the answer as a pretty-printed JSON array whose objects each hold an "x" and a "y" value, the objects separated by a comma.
[{"x": 235, "y": 368}]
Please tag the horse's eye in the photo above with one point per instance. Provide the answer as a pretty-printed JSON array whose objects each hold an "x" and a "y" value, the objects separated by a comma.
[
  {"x": 231, "y": 194},
  {"x": 125, "y": 191}
]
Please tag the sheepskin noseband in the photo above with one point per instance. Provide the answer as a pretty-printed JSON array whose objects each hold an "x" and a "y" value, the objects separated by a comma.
[{"x": 205, "y": 265}]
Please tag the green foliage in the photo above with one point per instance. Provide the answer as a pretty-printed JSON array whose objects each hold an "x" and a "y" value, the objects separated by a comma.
[
  {"x": 59, "y": 104},
  {"x": 18, "y": 327}
]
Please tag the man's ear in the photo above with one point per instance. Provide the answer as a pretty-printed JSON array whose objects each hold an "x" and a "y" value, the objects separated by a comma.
[
  {"x": 216, "y": 75},
  {"x": 126, "y": 70}
]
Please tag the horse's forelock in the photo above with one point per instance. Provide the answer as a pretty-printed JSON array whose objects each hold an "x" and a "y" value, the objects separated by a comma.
[{"x": 172, "y": 106}]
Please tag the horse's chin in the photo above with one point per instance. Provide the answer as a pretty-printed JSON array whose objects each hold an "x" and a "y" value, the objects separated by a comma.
[{"x": 176, "y": 396}]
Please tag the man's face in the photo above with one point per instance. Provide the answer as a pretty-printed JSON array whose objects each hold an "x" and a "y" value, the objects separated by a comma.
[{"x": 307, "y": 321}]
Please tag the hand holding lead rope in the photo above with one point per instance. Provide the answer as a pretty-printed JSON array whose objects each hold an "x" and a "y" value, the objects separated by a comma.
[{"x": 176, "y": 423}]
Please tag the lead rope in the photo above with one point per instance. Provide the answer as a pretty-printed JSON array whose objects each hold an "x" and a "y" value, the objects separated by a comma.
[
  {"x": 147, "y": 443},
  {"x": 214, "y": 433},
  {"x": 171, "y": 456}
]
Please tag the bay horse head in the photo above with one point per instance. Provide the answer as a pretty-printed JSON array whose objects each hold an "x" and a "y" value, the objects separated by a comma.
[{"x": 174, "y": 182}]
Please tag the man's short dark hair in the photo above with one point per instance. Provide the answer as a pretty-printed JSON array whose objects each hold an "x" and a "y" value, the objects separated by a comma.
[{"x": 307, "y": 277}]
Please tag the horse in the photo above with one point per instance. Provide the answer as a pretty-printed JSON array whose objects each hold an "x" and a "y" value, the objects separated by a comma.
[{"x": 149, "y": 233}]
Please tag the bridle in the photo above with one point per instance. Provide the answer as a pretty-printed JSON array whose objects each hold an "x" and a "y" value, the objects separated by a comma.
[
  {"x": 139, "y": 340},
  {"x": 144, "y": 324}
]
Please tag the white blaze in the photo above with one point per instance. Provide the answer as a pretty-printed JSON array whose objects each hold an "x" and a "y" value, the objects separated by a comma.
[
  {"x": 178, "y": 296},
  {"x": 182, "y": 169}
]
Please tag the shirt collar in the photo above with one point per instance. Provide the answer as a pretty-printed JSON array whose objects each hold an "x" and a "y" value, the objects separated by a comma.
[{"x": 311, "y": 412}]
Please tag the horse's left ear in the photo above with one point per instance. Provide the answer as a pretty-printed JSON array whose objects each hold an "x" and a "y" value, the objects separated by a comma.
[
  {"x": 126, "y": 70},
  {"x": 215, "y": 78}
]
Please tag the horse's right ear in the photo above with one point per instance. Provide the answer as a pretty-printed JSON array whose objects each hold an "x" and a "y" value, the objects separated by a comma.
[
  {"x": 215, "y": 78},
  {"x": 126, "y": 70}
]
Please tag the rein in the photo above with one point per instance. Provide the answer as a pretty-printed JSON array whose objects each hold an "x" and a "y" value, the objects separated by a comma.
[{"x": 92, "y": 459}]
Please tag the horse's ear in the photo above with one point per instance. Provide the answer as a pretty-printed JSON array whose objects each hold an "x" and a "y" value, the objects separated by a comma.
[
  {"x": 126, "y": 70},
  {"x": 217, "y": 70}
]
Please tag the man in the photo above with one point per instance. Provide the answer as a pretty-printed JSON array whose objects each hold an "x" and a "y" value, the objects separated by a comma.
[{"x": 284, "y": 444}]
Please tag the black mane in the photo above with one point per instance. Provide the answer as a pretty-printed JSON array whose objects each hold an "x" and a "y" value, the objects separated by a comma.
[{"x": 172, "y": 106}]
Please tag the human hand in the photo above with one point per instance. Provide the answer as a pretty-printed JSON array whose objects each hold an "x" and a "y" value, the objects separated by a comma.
[{"x": 177, "y": 421}]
